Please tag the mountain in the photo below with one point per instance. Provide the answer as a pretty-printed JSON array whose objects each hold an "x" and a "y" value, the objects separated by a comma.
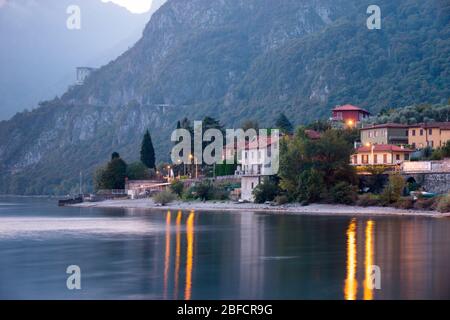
[
  {"x": 233, "y": 60},
  {"x": 35, "y": 42}
]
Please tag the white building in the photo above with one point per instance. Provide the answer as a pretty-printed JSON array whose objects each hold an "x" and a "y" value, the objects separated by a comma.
[{"x": 259, "y": 159}]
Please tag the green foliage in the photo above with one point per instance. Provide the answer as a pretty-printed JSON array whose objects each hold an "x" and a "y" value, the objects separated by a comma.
[
  {"x": 138, "y": 171},
  {"x": 394, "y": 189},
  {"x": 444, "y": 204},
  {"x": 283, "y": 124},
  {"x": 311, "y": 186},
  {"x": 266, "y": 191},
  {"x": 404, "y": 203},
  {"x": 369, "y": 200},
  {"x": 225, "y": 169},
  {"x": 113, "y": 175},
  {"x": 414, "y": 114},
  {"x": 281, "y": 199},
  {"x": 177, "y": 187},
  {"x": 147, "y": 151},
  {"x": 310, "y": 168},
  {"x": 164, "y": 197},
  {"x": 343, "y": 193},
  {"x": 204, "y": 190}
]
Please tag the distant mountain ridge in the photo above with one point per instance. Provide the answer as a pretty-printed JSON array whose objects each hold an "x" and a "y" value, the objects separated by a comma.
[{"x": 233, "y": 60}]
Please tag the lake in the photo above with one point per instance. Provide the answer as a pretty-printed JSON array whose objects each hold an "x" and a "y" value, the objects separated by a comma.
[{"x": 142, "y": 254}]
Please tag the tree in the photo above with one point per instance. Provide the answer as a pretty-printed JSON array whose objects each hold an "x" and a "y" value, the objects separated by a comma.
[
  {"x": 266, "y": 191},
  {"x": 147, "y": 151},
  {"x": 113, "y": 175},
  {"x": 137, "y": 171},
  {"x": 284, "y": 124},
  {"x": 250, "y": 124}
]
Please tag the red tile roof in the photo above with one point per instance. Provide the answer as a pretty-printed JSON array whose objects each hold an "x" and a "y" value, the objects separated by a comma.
[
  {"x": 441, "y": 125},
  {"x": 349, "y": 107},
  {"x": 386, "y": 125},
  {"x": 383, "y": 148},
  {"x": 313, "y": 135}
]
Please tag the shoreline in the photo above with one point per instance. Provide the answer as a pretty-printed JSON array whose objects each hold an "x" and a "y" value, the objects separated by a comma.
[{"x": 295, "y": 209}]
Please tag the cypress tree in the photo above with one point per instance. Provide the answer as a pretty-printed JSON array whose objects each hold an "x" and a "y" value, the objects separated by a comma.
[
  {"x": 284, "y": 124},
  {"x": 147, "y": 151}
]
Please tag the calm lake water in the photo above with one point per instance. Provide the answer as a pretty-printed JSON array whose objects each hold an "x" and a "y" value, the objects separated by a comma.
[{"x": 138, "y": 254}]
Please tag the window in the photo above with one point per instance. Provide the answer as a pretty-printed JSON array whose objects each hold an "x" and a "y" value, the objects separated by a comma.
[
  {"x": 406, "y": 156},
  {"x": 365, "y": 159},
  {"x": 432, "y": 143},
  {"x": 355, "y": 159},
  {"x": 414, "y": 132},
  {"x": 397, "y": 157},
  {"x": 421, "y": 132},
  {"x": 414, "y": 145},
  {"x": 407, "y": 132},
  {"x": 246, "y": 155},
  {"x": 253, "y": 185},
  {"x": 430, "y": 132},
  {"x": 375, "y": 158},
  {"x": 384, "y": 158}
]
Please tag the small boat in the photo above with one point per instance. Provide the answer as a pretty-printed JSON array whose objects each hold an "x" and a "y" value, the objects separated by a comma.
[{"x": 65, "y": 202}]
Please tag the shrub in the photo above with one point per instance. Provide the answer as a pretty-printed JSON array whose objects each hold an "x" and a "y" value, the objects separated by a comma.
[
  {"x": 265, "y": 191},
  {"x": 344, "y": 193},
  {"x": 369, "y": 200},
  {"x": 426, "y": 204},
  {"x": 164, "y": 197},
  {"x": 177, "y": 187},
  {"x": 311, "y": 186},
  {"x": 203, "y": 190},
  {"x": 281, "y": 199},
  {"x": 394, "y": 189},
  {"x": 443, "y": 204},
  {"x": 404, "y": 203}
]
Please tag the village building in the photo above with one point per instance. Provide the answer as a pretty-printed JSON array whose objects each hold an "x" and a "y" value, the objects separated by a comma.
[
  {"x": 349, "y": 115},
  {"x": 388, "y": 133},
  {"x": 256, "y": 162},
  {"x": 433, "y": 135},
  {"x": 380, "y": 154}
]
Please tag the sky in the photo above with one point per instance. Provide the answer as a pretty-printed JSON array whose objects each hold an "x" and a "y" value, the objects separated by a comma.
[{"x": 134, "y": 6}]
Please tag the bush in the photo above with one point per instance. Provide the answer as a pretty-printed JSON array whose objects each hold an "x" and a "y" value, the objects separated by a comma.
[
  {"x": 443, "y": 204},
  {"x": 343, "y": 193},
  {"x": 164, "y": 197},
  {"x": 394, "y": 189},
  {"x": 426, "y": 204},
  {"x": 404, "y": 203},
  {"x": 177, "y": 187},
  {"x": 369, "y": 200},
  {"x": 203, "y": 190},
  {"x": 265, "y": 191},
  {"x": 281, "y": 199},
  {"x": 311, "y": 186}
]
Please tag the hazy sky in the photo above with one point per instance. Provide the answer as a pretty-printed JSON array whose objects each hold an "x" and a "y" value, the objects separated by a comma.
[
  {"x": 39, "y": 53},
  {"x": 134, "y": 6}
]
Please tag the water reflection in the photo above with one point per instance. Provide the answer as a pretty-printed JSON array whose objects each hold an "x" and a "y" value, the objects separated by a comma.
[
  {"x": 167, "y": 253},
  {"x": 351, "y": 281},
  {"x": 368, "y": 261},
  {"x": 351, "y": 284},
  {"x": 189, "y": 255},
  {"x": 156, "y": 255},
  {"x": 177, "y": 254}
]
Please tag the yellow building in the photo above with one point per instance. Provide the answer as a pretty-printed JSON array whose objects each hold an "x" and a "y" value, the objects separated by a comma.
[
  {"x": 376, "y": 154},
  {"x": 434, "y": 134}
]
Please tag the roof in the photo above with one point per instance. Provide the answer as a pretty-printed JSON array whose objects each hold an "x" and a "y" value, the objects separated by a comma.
[
  {"x": 261, "y": 142},
  {"x": 349, "y": 107},
  {"x": 441, "y": 125},
  {"x": 386, "y": 125},
  {"x": 384, "y": 148},
  {"x": 313, "y": 135}
]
